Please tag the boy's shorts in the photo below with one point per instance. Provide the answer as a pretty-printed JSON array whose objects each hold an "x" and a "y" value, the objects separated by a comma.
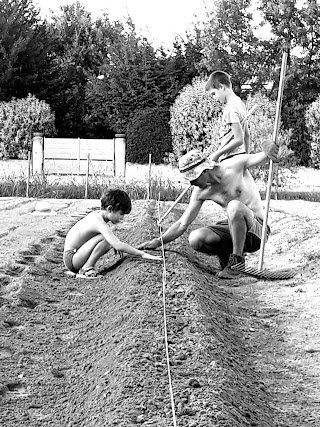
[
  {"x": 67, "y": 259},
  {"x": 253, "y": 237}
]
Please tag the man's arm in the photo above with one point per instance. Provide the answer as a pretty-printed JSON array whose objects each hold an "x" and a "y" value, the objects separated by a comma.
[
  {"x": 270, "y": 151},
  {"x": 180, "y": 226}
]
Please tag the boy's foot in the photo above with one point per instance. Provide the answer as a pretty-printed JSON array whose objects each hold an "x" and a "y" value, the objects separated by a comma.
[
  {"x": 227, "y": 272},
  {"x": 88, "y": 273}
]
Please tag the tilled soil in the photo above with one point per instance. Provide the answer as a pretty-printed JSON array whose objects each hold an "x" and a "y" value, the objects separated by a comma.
[{"x": 92, "y": 353}]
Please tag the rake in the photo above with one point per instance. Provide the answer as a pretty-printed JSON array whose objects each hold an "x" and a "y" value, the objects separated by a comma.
[
  {"x": 174, "y": 204},
  {"x": 260, "y": 272},
  {"x": 264, "y": 273}
]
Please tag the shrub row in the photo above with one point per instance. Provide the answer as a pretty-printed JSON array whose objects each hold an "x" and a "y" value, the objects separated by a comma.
[
  {"x": 19, "y": 119},
  {"x": 191, "y": 122}
]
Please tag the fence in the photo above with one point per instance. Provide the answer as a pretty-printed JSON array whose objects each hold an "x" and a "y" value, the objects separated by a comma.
[{"x": 65, "y": 156}]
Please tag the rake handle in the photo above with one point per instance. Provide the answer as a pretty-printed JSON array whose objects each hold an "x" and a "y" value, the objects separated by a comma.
[
  {"x": 174, "y": 204},
  {"x": 275, "y": 140}
]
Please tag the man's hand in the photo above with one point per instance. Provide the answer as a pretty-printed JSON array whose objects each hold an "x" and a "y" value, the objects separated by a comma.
[
  {"x": 151, "y": 244},
  {"x": 151, "y": 257},
  {"x": 271, "y": 150}
]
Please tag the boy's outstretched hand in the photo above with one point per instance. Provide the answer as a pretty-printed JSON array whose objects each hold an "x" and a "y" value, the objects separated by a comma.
[{"x": 151, "y": 257}]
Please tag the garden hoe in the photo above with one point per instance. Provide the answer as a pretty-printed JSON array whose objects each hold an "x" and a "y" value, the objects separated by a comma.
[{"x": 260, "y": 272}]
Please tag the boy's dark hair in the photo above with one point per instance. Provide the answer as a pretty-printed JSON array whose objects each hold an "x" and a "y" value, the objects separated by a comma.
[
  {"x": 118, "y": 199},
  {"x": 218, "y": 78}
]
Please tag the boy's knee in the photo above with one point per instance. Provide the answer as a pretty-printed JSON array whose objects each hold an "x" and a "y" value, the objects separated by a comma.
[{"x": 104, "y": 246}]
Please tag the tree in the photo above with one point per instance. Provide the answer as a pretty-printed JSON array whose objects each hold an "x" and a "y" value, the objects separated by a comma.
[
  {"x": 299, "y": 29},
  {"x": 24, "y": 46},
  {"x": 74, "y": 61},
  {"x": 135, "y": 76},
  {"x": 313, "y": 126},
  {"x": 128, "y": 64},
  {"x": 229, "y": 43},
  {"x": 179, "y": 68}
]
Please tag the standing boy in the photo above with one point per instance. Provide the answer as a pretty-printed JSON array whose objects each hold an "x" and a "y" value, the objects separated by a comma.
[
  {"x": 234, "y": 137},
  {"x": 92, "y": 237}
]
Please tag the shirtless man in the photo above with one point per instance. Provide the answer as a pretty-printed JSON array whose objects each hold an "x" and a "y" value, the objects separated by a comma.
[{"x": 230, "y": 185}]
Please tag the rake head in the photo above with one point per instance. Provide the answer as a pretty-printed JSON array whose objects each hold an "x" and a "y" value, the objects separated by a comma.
[{"x": 264, "y": 274}]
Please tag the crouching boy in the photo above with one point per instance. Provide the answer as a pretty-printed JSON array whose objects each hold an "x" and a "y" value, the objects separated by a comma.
[{"x": 91, "y": 237}]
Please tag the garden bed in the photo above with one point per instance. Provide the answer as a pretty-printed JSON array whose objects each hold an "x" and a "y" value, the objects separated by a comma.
[{"x": 92, "y": 353}]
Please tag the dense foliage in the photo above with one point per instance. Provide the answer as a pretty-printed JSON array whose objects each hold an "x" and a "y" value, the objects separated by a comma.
[
  {"x": 149, "y": 133},
  {"x": 194, "y": 119},
  {"x": 262, "y": 125},
  {"x": 25, "y": 46},
  {"x": 230, "y": 44},
  {"x": 59, "y": 61},
  {"x": 296, "y": 25},
  {"x": 19, "y": 119},
  {"x": 313, "y": 126}
]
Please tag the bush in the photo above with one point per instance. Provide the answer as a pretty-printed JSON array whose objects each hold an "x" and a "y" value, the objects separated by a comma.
[
  {"x": 149, "y": 132},
  {"x": 195, "y": 119},
  {"x": 296, "y": 101},
  {"x": 19, "y": 119},
  {"x": 261, "y": 125},
  {"x": 313, "y": 125}
]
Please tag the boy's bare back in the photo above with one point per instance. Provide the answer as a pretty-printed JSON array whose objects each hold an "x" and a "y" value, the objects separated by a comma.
[{"x": 89, "y": 226}]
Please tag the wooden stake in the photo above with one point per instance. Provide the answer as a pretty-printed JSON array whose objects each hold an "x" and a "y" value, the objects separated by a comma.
[
  {"x": 79, "y": 156},
  {"x": 87, "y": 177},
  {"x": 28, "y": 174},
  {"x": 149, "y": 179}
]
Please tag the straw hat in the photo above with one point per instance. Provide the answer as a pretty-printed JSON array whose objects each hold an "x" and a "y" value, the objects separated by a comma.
[{"x": 192, "y": 164}]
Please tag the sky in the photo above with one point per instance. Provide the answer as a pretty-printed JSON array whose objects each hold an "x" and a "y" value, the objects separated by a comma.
[{"x": 160, "y": 21}]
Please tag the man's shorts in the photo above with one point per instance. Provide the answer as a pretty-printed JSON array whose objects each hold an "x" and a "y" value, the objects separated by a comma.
[
  {"x": 67, "y": 259},
  {"x": 253, "y": 238}
]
